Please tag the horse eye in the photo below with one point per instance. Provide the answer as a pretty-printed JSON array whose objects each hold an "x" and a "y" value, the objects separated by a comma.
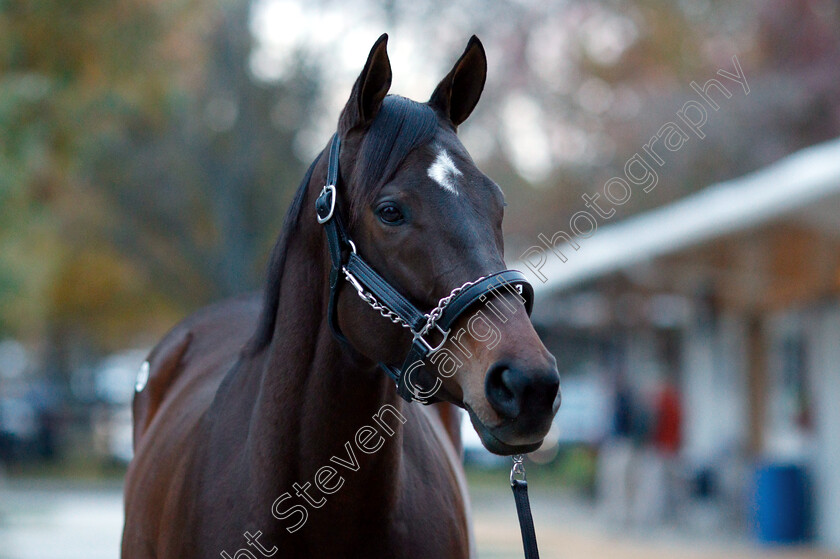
[{"x": 390, "y": 214}]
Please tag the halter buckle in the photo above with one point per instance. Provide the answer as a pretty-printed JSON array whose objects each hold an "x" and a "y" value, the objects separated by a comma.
[
  {"x": 328, "y": 190},
  {"x": 432, "y": 349},
  {"x": 354, "y": 282}
]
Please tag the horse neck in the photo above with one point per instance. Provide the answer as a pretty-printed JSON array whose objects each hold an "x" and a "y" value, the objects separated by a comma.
[{"x": 314, "y": 394}]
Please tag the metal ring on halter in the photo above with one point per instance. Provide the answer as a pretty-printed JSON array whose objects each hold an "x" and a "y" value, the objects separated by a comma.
[
  {"x": 352, "y": 246},
  {"x": 431, "y": 348},
  {"x": 331, "y": 189},
  {"x": 517, "y": 469}
]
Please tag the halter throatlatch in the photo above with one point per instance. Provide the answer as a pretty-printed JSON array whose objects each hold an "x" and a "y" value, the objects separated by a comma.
[{"x": 382, "y": 296}]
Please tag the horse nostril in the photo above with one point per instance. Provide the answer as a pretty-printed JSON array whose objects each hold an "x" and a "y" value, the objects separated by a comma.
[
  {"x": 512, "y": 392},
  {"x": 547, "y": 391},
  {"x": 502, "y": 392}
]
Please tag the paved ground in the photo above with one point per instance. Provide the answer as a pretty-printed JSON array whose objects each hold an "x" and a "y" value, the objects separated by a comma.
[
  {"x": 57, "y": 520},
  {"x": 60, "y": 520},
  {"x": 571, "y": 528}
]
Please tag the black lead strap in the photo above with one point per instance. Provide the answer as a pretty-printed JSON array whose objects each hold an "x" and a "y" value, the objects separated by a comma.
[{"x": 523, "y": 508}]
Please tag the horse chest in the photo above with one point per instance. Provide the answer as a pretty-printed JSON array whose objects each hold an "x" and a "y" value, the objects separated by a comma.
[
  {"x": 434, "y": 520},
  {"x": 428, "y": 519},
  {"x": 433, "y": 506},
  {"x": 417, "y": 509}
]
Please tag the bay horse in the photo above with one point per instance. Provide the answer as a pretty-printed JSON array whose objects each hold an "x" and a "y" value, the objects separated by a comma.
[{"x": 263, "y": 424}]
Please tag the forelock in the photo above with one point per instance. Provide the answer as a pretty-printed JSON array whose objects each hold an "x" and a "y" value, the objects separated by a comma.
[{"x": 400, "y": 126}]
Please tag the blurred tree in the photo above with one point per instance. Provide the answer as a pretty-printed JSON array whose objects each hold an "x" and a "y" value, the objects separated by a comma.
[
  {"x": 143, "y": 170},
  {"x": 577, "y": 87},
  {"x": 68, "y": 72},
  {"x": 201, "y": 200}
]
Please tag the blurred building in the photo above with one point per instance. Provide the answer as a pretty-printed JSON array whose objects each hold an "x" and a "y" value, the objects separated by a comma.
[{"x": 732, "y": 294}]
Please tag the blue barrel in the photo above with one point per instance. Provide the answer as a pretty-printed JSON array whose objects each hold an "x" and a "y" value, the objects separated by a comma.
[{"x": 780, "y": 504}]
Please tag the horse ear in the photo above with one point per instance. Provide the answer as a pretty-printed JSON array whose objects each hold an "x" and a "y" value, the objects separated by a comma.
[
  {"x": 457, "y": 94},
  {"x": 370, "y": 88}
]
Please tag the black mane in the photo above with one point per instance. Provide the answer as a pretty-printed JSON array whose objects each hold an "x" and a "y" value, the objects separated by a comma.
[
  {"x": 276, "y": 264},
  {"x": 400, "y": 126}
]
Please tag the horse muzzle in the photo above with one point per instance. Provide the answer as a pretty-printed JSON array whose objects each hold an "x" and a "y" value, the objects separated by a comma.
[{"x": 524, "y": 402}]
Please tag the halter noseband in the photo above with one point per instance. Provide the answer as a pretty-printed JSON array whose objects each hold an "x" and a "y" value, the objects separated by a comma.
[{"x": 381, "y": 295}]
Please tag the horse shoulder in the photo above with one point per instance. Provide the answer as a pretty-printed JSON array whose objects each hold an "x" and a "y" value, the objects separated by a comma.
[
  {"x": 224, "y": 327},
  {"x": 185, "y": 371},
  {"x": 162, "y": 366}
]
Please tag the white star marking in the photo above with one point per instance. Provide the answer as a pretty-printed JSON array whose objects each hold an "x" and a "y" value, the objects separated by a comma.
[{"x": 444, "y": 172}]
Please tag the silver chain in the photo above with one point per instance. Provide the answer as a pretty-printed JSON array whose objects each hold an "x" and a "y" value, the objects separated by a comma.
[
  {"x": 434, "y": 315},
  {"x": 371, "y": 300},
  {"x": 431, "y": 317}
]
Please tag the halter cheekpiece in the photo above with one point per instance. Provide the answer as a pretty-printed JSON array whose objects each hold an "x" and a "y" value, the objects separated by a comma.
[{"x": 346, "y": 264}]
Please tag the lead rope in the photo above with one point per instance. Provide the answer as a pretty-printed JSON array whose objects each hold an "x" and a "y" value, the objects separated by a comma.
[{"x": 523, "y": 507}]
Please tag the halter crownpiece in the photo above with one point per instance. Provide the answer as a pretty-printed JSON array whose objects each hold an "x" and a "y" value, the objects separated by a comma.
[{"x": 383, "y": 297}]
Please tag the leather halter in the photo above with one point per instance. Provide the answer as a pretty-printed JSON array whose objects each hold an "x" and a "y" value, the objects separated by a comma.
[{"x": 382, "y": 296}]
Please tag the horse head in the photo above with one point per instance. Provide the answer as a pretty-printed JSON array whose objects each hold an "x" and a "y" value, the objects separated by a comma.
[{"x": 428, "y": 221}]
